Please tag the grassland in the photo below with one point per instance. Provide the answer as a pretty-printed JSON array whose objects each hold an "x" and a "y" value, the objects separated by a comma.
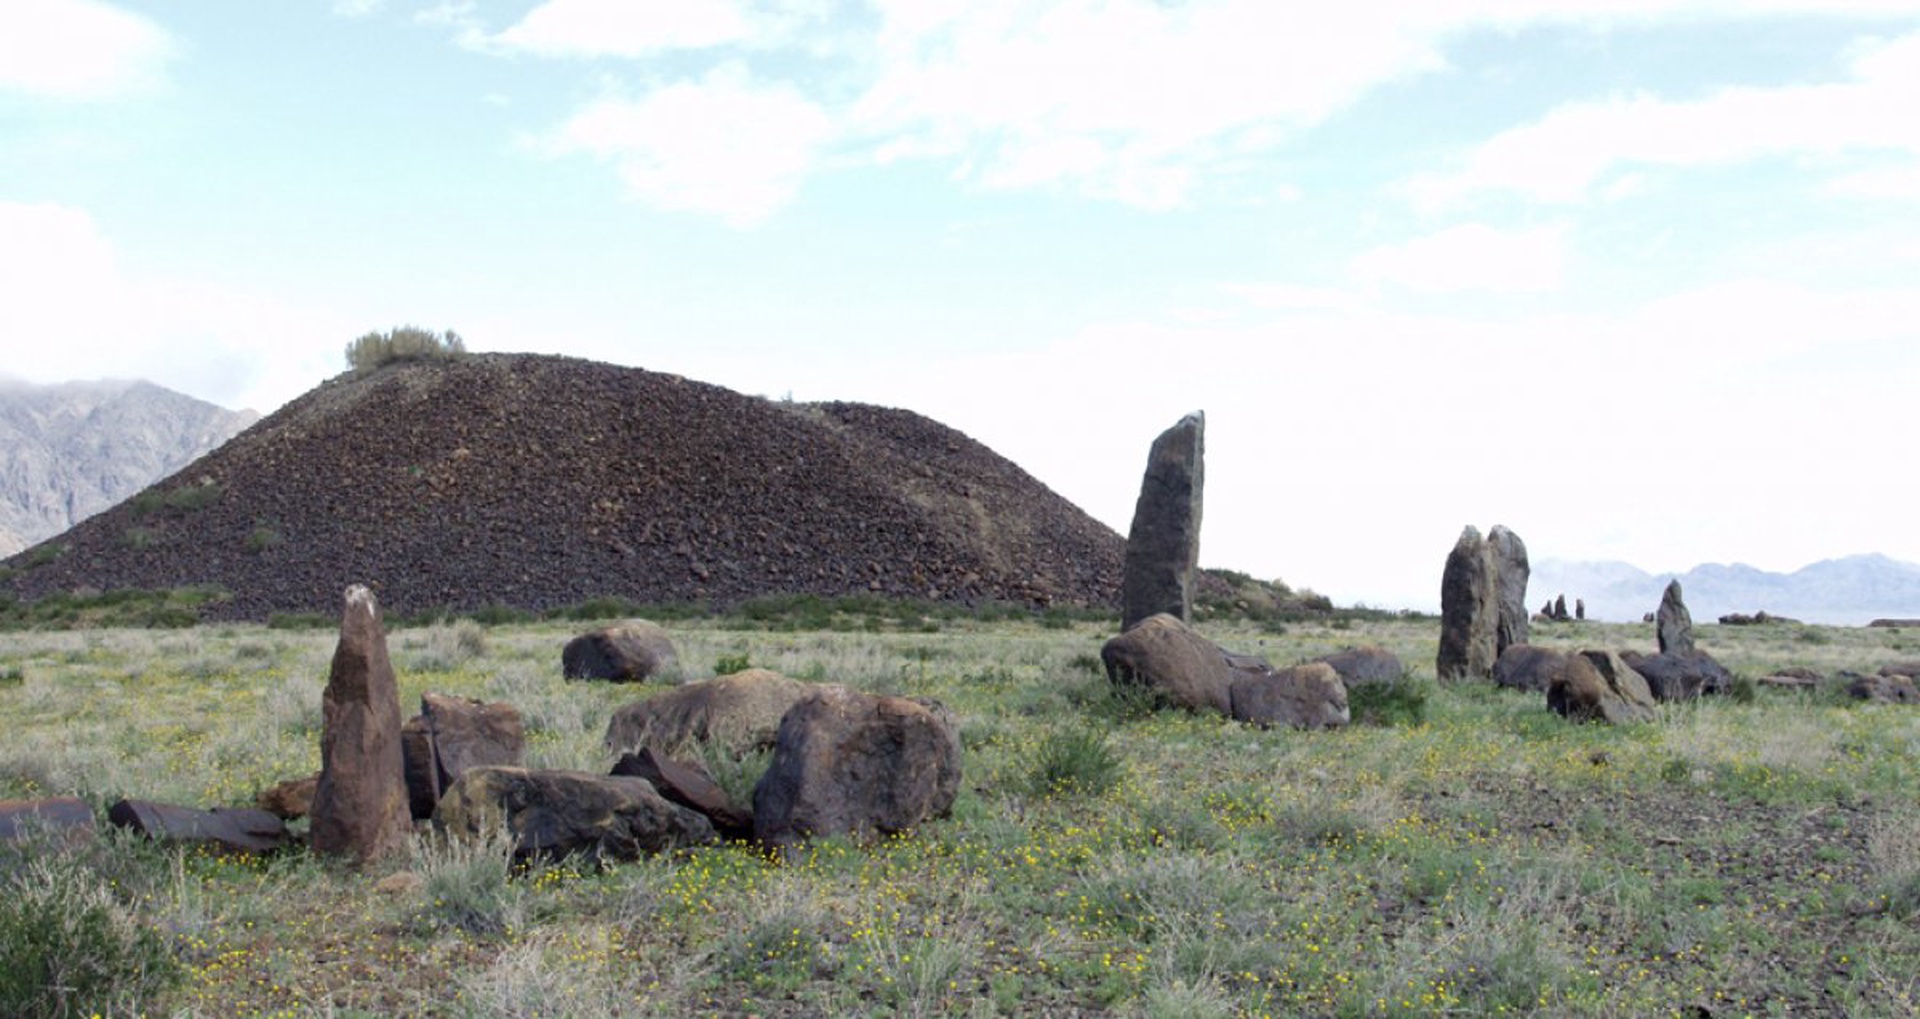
[{"x": 1756, "y": 856}]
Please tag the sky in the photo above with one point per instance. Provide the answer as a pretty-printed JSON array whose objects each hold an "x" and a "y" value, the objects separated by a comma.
[{"x": 1639, "y": 279}]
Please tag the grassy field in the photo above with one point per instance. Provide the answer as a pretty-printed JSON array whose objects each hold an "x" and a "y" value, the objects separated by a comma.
[{"x": 1742, "y": 856}]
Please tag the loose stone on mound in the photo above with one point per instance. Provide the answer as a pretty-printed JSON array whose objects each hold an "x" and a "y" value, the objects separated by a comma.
[
  {"x": 552, "y": 814},
  {"x": 360, "y": 805},
  {"x": 1164, "y": 654},
  {"x": 1596, "y": 686},
  {"x": 1673, "y": 624},
  {"x": 1307, "y": 696},
  {"x": 451, "y": 735},
  {"x": 629, "y": 653},
  {"x": 850, "y": 763},
  {"x": 740, "y": 712},
  {"x": 1163, "y": 545},
  {"x": 1469, "y": 611},
  {"x": 1510, "y": 587}
]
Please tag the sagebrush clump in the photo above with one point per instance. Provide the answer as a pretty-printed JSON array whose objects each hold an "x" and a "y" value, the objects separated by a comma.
[{"x": 406, "y": 343}]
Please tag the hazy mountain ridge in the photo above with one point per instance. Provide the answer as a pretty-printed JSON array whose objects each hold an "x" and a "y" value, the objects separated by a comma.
[
  {"x": 72, "y": 449},
  {"x": 1851, "y": 590}
]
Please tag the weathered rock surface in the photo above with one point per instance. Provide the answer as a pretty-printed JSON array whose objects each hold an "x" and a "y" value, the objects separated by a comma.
[
  {"x": 290, "y": 800},
  {"x": 1597, "y": 686},
  {"x": 1358, "y": 666},
  {"x": 1882, "y": 689},
  {"x": 360, "y": 803},
  {"x": 1168, "y": 656},
  {"x": 851, "y": 763},
  {"x": 688, "y": 784},
  {"x": 1911, "y": 670},
  {"x": 1673, "y": 624},
  {"x": 1510, "y": 588},
  {"x": 451, "y": 735},
  {"x": 64, "y": 819},
  {"x": 1309, "y": 696},
  {"x": 553, "y": 814},
  {"x": 1526, "y": 667},
  {"x": 629, "y": 653},
  {"x": 1680, "y": 676},
  {"x": 1163, "y": 545},
  {"x": 740, "y": 712},
  {"x": 241, "y": 830},
  {"x": 1469, "y": 611}
]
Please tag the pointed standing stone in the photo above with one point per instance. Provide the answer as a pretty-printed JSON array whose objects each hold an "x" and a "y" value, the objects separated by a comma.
[
  {"x": 1673, "y": 625},
  {"x": 1163, "y": 545},
  {"x": 1510, "y": 568},
  {"x": 360, "y": 806},
  {"x": 1469, "y": 611}
]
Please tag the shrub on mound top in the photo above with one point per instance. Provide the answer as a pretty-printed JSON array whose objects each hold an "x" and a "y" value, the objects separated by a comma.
[{"x": 406, "y": 343}]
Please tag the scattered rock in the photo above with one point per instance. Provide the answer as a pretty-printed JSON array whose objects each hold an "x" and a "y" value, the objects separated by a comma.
[
  {"x": 739, "y": 712},
  {"x": 1469, "y": 611},
  {"x": 1673, "y": 624},
  {"x": 629, "y": 653},
  {"x": 1911, "y": 670},
  {"x": 1163, "y": 545},
  {"x": 1526, "y": 667},
  {"x": 290, "y": 800},
  {"x": 856, "y": 764},
  {"x": 1598, "y": 686},
  {"x": 1309, "y": 696},
  {"x": 451, "y": 735},
  {"x": 1882, "y": 689},
  {"x": 1794, "y": 677},
  {"x": 241, "y": 830},
  {"x": 1510, "y": 587},
  {"x": 1361, "y": 665},
  {"x": 1894, "y": 624},
  {"x": 1761, "y": 618},
  {"x": 552, "y": 814},
  {"x": 360, "y": 803},
  {"x": 1165, "y": 654},
  {"x": 1675, "y": 676},
  {"x": 66, "y": 819},
  {"x": 689, "y": 785}
]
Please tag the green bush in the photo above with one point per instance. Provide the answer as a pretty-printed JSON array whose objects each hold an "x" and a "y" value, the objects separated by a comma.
[
  {"x": 727, "y": 665},
  {"x": 406, "y": 343},
  {"x": 1401, "y": 702},
  {"x": 68, "y": 948},
  {"x": 1078, "y": 761}
]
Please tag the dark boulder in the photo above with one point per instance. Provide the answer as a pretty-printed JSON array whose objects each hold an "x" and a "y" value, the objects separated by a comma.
[
  {"x": 241, "y": 830},
  {"x": 1307, "y": 696},
  {"x": 1166, "y": 655},
  {"x": 738, "y": 712},
  {"x": 1163, "y": 544},
  {"x": 689, "y": 785},
  {"x": 552, "y": 814},
  {"x": 1526, "y": 667},
  {"x": 1893, "y": 689},
  {"x": 1359, "y": 666},
  {"x": 1597, "y": 686},
  {"x": 1680, "y": 677},
  {"x": 66, "y": 820},
  {"x": 851, "y": 763},
  {"x": 629, "y": 653},
  {"x": 451, "y": 735}
]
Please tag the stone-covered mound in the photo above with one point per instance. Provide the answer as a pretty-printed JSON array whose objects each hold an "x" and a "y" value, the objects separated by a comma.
[{"x": 535, "y": 481}]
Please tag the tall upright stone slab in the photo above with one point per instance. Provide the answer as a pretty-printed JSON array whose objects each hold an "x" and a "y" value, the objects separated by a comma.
[
  {"x": 360, "y": 806},
  {"x": 1510, "y": 570},
  {"x": 1673, "y": 624},
  {"x": 1163, "y": 545},
  {"x": 1469, "y": 611}
]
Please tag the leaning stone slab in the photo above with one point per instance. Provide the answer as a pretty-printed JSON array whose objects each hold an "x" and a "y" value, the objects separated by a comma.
[
  {"x": 552, "y": 814},
  {"x": 1163, "y": 543},
  {"x": 360, "y": 804},
  {"x": 1164, "y": 654},
  {"x": 67, "y": 820},
  {"x": 451, "y": 735},
  {"x": 689, "y": 785},
  {"x": 851, "y": 763},
  {"x": 1307, "y": 696},
  {"x": 739, "y": 713},
  {"x": 629, "y": 653},
  {"x": 1596, "y": 686},
  {"x": 240, "y": 830}
]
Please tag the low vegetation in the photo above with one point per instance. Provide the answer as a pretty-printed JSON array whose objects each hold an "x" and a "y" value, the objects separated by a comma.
[
  {"x": 1462, "y": 852},
  {"x": 406, "y": 343}
]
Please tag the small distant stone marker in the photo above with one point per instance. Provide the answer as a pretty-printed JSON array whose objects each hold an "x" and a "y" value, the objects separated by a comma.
[
  {"x": 360, "y": 804},
  {"x": 1673, "y": 624},
  {"x": 1163, "y": 545}
]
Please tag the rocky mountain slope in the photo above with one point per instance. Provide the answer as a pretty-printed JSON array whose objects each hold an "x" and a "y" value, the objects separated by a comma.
[
  {"x": 535, "y": 481},
  {"x": 70, "y": 450},
  {"x": 1847, "y": 591}
]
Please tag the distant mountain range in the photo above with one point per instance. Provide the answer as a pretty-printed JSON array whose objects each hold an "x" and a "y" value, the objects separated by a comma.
[
  {"x": 1850, "y": 591},
  {"x": 70, "y": 450}
]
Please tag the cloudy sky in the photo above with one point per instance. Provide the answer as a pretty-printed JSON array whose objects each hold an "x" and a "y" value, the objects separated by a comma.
[{"x": 1638, "y": 278}]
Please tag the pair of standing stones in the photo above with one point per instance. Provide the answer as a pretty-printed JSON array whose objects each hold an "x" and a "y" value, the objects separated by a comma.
[{"x": 1483, "y": 603}]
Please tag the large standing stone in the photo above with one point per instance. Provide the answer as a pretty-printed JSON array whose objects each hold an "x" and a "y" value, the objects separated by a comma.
[
  {"x": 1673, "y": 624},
  {"x": 1596, "y": 686},
  {"x": 1469, "y": 611},
  {"x": 360, "y": 805},
  {"x": 632, "y": 652},
  {"x": 1309, "y": 696},
  {"x": 1510, "y": 570},
  {"x": 850, "y": 763},
  {"x": 739, "y": 712},
  {"x": 1164, "y": 654},
  {"x": 451, "y": 735},
  {"x": 561, "y": 813},
  {"x": 1163, "y": 545}
]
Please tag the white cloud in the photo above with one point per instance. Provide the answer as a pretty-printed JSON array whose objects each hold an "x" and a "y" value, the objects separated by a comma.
[
  {"x": 1565, "y": 155},
  {"x": 725, "y": 145},
  {"x": 622, "y": 28},
  {"x": 1897, "y": 183},
  {"x": 79, "y": 50},
  {"x": 357, "y": 8},
  {"x": 1470, "y": 257}
]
